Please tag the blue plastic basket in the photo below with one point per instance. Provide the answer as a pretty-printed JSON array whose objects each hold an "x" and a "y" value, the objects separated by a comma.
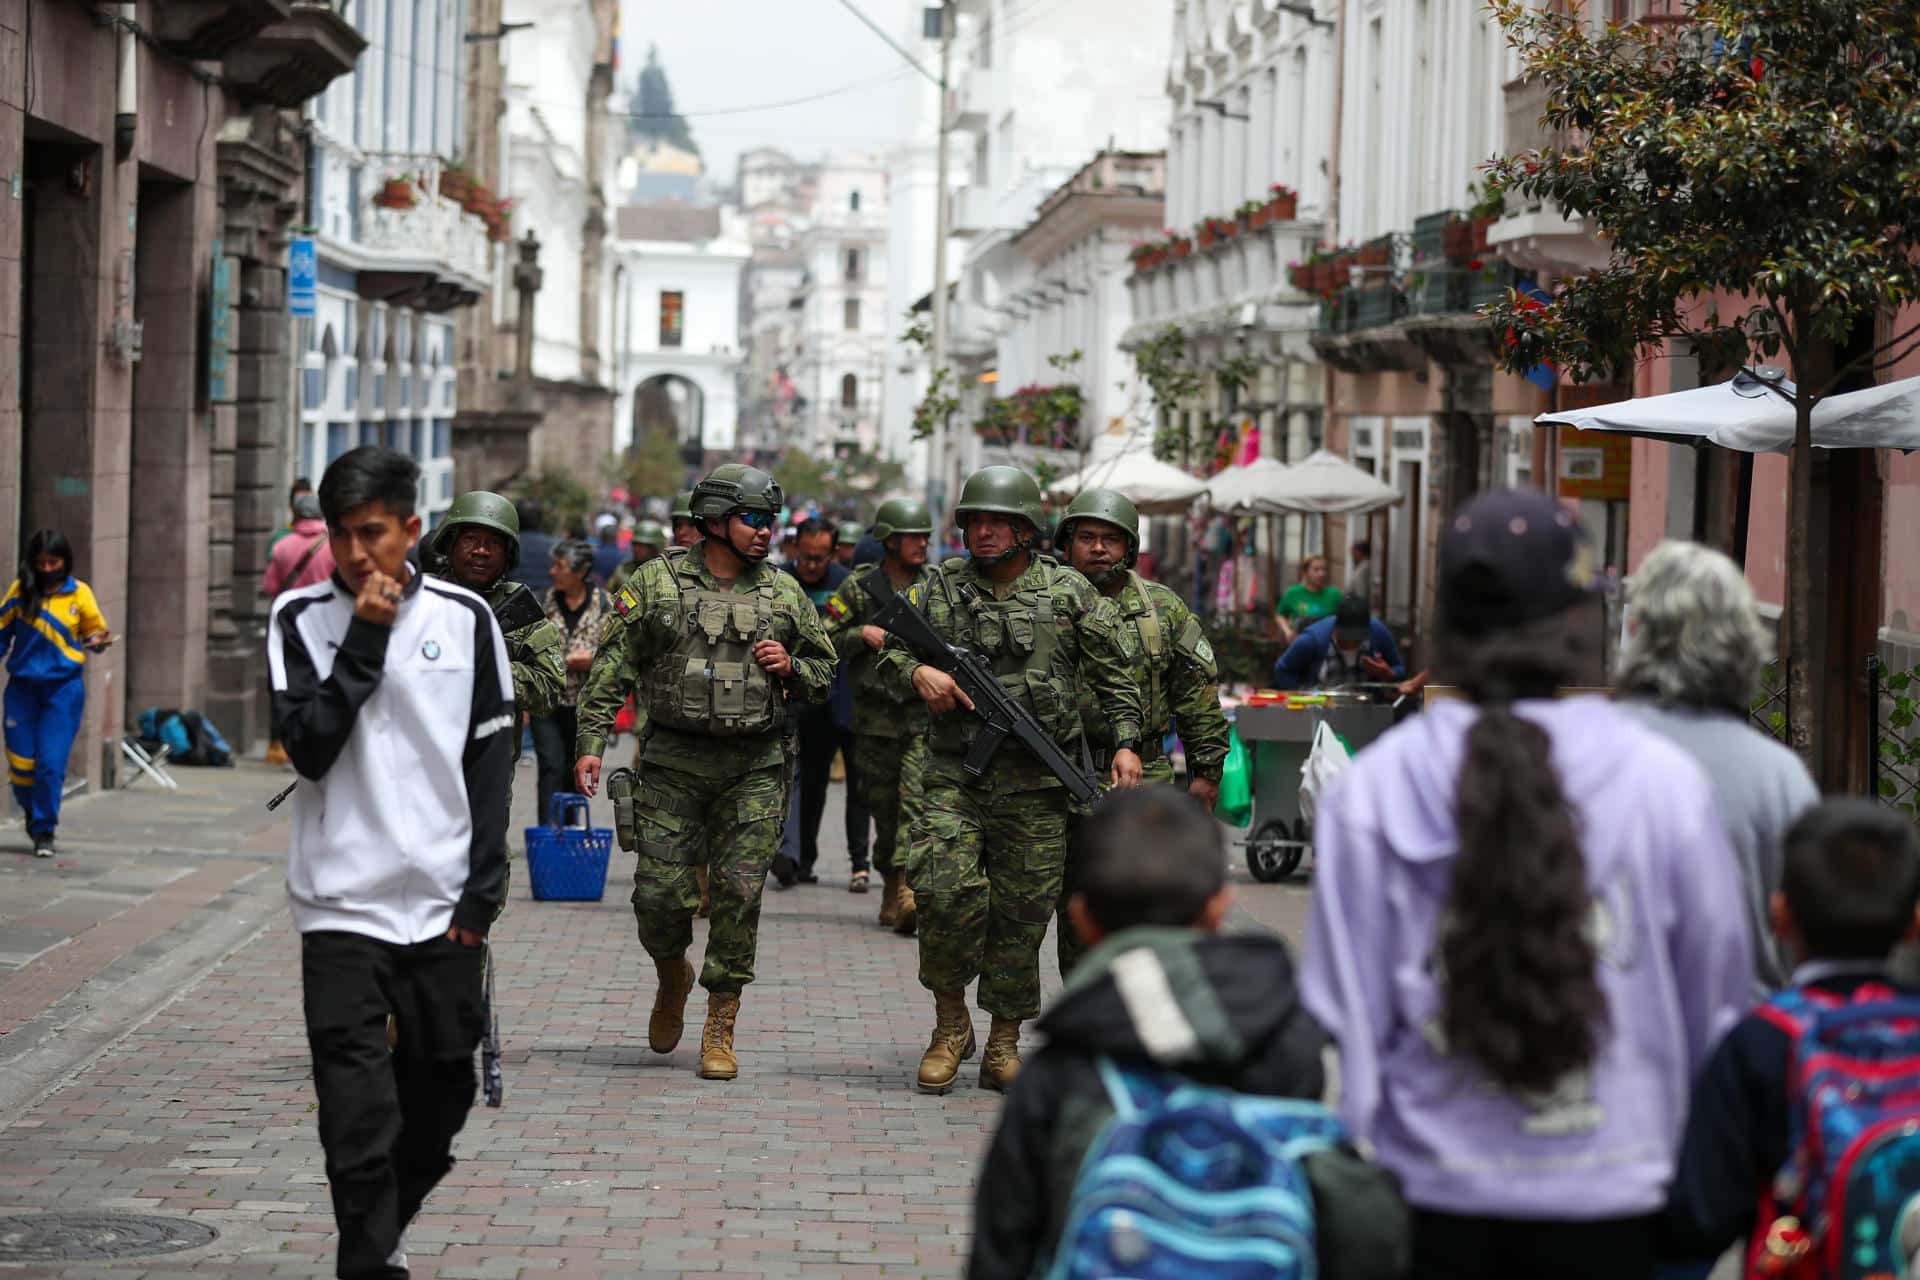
[{"x": 567, "y": 858}]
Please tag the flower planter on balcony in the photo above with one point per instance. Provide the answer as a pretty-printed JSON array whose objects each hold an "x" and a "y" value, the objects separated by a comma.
[
  {"x": 397, "y": 193},
  {"x": 1377, "y": 252},
  {"x": 1206, "y": 240},
  {"x": 455, "y": 184},
  {"x": 1480, "y": 228},
  {"x": 1182, "y": 248},
  {"x": 1284, "y": 208},
  {"x": 1259, "y": 217}
]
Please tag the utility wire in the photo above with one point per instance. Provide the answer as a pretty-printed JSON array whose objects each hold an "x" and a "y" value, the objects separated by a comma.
[{"x": 892, "y": 44}]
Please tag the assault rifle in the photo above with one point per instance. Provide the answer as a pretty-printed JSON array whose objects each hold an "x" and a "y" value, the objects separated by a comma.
[{"x": 1001, "y": 715}]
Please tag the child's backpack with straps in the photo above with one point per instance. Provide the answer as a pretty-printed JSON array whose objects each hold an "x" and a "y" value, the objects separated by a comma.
[
  {"x": 1188, "y": 1180},
  {"x": 1846, "y": 1206}
]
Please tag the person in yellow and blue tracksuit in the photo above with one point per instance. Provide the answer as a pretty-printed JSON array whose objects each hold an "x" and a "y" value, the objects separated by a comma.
[{"x": 48, "y": 624}]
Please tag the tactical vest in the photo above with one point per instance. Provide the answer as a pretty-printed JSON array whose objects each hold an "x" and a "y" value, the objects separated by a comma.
[
  {"x": 1017, "y": 637},
  {"x": 708, "y": 682}
]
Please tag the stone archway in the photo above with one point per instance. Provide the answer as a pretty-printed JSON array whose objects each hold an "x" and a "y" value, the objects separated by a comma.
[{"x": 672, "y": 403}]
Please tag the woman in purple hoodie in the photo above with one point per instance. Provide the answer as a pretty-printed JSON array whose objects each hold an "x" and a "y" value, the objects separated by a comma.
[{"x": 1526, "y": 930}]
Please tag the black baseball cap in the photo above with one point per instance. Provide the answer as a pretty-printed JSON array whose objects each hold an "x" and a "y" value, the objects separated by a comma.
[
  {"x": 1352, "y": 620},
  {"x": 1510, "y": 557}
]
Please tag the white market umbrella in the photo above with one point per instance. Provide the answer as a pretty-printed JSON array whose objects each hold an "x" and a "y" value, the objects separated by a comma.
[
  {"x": 1127, "y": 466},
  {"x": 1324, "y": 484},
  {"x": 1745, "y": 416},
  {"x": 1242, "y": 488}
]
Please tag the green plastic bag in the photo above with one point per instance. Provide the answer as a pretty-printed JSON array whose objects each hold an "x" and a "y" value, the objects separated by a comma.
[{"x": 1236, "y": 785}]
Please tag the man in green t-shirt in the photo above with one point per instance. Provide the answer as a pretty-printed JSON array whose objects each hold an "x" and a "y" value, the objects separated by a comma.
[{"x": 1312, "y": 598}]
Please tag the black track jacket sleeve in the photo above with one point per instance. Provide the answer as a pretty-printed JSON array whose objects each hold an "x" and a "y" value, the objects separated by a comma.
[
  {"x": 488, "y": 764},
  {"x": 316, "y": 716}
]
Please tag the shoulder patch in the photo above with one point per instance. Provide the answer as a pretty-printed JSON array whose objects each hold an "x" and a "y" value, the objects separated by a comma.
[
  {"x": 837, "y": 609},
  {"x": 625, "y": 602},
  {"x": 916, "y": 594}
]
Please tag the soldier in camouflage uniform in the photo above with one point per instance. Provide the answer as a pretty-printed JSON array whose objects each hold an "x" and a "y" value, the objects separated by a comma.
[
  {"x": 686, "y": 533},
  {"x": 715, "y": 640},
  {"x": 1172, "y": 663},
  {"x": 649, "y": 540},
  {"x": 477, "y": 545},
  {"x": 889, "y": 727},
  {"x": 846, "y": 541},
  {"x": 988, "y": 852}
]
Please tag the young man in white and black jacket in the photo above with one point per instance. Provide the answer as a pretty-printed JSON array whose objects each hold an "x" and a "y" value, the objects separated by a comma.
[{"x": 395, "y": 703}]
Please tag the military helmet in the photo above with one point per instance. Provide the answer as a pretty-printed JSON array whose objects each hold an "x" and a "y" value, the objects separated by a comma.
[
  {"x": 648, "y": 533},
  {"x": 1007, "y": 490},
  {"x": 734, "y": 486},
  {"x": 1107, "y": 506},
  {"x": 682, "y": 506},
  {"x": 848, "y": 534},
  {"x": 484, "y": 510},
  {"x": 902, "y": 515}
]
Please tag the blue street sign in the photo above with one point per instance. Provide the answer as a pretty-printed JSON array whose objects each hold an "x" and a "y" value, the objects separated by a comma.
[{"x": 303, "y": 276}]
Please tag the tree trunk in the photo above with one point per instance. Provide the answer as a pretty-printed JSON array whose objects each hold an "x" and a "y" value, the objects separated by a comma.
[{"x": 1801, "y": 713}]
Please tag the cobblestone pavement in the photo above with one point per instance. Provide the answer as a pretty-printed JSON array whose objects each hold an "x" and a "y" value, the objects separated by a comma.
[{"x": 186, "y": 1091}]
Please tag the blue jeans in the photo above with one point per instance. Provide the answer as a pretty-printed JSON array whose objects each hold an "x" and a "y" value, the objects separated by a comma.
[{"x": 42, "y": 720}]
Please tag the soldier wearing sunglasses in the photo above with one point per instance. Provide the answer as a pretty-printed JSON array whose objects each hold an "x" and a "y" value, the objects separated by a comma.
[{"x": 715, "y": 641}]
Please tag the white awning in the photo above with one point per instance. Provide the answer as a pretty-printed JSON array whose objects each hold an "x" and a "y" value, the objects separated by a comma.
[
  {"x": 1747, "y": 416},
  {"x": 1124, "y": 462},
  {"x": 1323, "y": 483},
  {"x": 1242, "y": 488}
]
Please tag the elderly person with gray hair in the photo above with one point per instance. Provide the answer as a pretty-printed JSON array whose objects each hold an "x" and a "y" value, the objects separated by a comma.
[
  {"x": 1689, "y": 669},
  {"x": 577, "y": 606}
]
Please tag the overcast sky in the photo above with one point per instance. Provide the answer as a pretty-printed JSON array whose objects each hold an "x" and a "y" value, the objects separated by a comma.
[{"x": 725, "y": 54}]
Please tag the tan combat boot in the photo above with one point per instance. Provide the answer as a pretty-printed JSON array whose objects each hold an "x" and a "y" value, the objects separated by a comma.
[
  {"x": 716, "y": 1043},
  {"x": 907, "y": 914},
  {"x": 706, "y": 891},
  {"x": 669, "y": 1018},
  {"x": 1001, "y": 1063},
  {"x": 952, "y": 1042},
  {"x": 889, "y": 899}
]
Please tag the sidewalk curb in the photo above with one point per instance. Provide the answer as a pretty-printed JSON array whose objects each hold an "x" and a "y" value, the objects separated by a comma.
[{"x": 66, "y": 1041}]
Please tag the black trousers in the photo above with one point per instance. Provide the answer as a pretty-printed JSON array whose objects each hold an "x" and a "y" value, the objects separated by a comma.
[
  {"x": 819, "y": 740},
  {"x": 387, "y": 1118},
  {"x": 553, "y": 756},
  {"x": 1452, "y": 1246}
]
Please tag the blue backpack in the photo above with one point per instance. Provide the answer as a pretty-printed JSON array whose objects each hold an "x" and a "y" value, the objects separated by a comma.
[
  {"x": 1846, "y": 1206},
  {"x": 1189, "y": 1180}
]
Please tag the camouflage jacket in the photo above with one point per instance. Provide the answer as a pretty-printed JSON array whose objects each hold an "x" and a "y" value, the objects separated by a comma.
[
  {"x": 648, "y": 622},
  {"x": 1173, "y": 665},
  {"x": 1043, "y": 634},
  {"x": 536, "y": 649},
  {"x": 878, "y": 708}
]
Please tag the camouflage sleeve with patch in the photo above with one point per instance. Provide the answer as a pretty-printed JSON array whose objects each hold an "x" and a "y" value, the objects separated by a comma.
[
  {"x": 1104, "y": 663},
  {"x": 845, "y": 614},
  {"x": 814, "y": 660},
  {"x": 1194, "y": 689},
  {"x": 895, "y": 663},
  {"x": 626, "y": 644}
]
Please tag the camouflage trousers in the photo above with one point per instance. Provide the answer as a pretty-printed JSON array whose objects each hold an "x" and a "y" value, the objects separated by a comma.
[
  {"x": 731, "y": 824},
  {"x": 889, "y": 769},
  {"x": 1066, "y": 943},
  {"x": 986, "y": 870}
]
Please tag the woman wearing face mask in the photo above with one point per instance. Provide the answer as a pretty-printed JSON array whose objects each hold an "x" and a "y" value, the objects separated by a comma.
[{"x": 48, "y": 624}]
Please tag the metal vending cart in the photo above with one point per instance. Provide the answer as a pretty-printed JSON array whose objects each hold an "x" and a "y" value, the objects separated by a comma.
[{"x": 1278, "y": 732}]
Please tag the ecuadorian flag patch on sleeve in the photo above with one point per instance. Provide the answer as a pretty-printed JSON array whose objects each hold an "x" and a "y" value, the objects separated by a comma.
[
  {"x": 625, "y": 602},
  {"x": 837, "y": 609}
]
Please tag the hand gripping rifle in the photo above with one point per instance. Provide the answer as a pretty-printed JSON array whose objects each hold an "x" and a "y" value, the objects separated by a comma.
[{"x": 1001, "y": 714}]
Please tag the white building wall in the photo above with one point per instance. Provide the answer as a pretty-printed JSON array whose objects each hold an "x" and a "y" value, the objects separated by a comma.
[{"x": 707, "y": 276}]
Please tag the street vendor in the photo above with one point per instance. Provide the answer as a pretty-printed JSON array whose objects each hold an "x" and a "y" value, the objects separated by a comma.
[{"x": 1352, "y": 647}]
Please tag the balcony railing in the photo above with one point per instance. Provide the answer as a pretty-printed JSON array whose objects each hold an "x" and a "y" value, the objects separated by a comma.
[{"x": 435, "y": 228}]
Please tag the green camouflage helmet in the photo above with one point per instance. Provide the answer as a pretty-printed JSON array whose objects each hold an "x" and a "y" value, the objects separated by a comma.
[
  {"x": 1109, "y": 507},
  {"x": 484, "y": 510},
  {"x": 848, "y": 534},
  {"x": 734, "y": 486},
  {"x": 683, "y": 506},
  {"x": 902, "y": 515},
  {"x": 1007, "y": 490},
  {"x": 648, "y": 533}
]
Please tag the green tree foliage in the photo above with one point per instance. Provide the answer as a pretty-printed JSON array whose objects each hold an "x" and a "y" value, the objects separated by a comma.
[
  {"x": 651, "y": 468},
  {"x": 1161, "y": 362},
  {"x": 564, "y": 501},
  {"x": 1755, "y": 174},
  {"x": 854, "y": 481}
]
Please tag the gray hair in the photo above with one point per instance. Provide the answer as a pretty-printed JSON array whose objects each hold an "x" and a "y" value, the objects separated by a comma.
[
  {"x": 576, "y": 554},
  {"x": 1696, "y": 638}
]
